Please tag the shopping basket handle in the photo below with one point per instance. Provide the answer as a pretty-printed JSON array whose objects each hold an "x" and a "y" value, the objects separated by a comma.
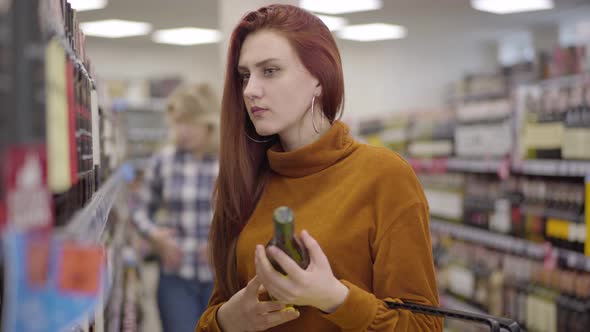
[{"x": 495, "y": 323}]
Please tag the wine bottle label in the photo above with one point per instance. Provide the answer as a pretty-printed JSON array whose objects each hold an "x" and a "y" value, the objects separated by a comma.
[
  {"x": 543, "y": 135},
  {"x": 575, "y": 143},
  {"x": 57, "y": 118},
  {"x": 559, "y": 229}
]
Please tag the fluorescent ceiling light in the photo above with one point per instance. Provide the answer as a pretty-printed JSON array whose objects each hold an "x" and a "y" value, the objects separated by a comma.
[
  {"x": 82, "y": 5},
  {"x": 333, "y": 22},
  {"x": 372, "y": 32},
  {"x": 511, "y": 6},
  {"x": 115, "y": 28},
  {"x": 340, "y": 6},
  {"x": 186, "y": 36}
]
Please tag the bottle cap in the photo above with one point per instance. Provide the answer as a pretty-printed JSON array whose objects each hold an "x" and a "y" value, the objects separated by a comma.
[{"x": 283, "y": 215}]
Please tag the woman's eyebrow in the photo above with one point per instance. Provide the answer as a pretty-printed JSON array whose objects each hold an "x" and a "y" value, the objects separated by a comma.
[{"x": 258, "y": 64}]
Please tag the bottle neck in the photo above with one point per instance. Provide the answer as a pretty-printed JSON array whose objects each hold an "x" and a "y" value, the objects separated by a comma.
[{"x": 283, "y": 232}]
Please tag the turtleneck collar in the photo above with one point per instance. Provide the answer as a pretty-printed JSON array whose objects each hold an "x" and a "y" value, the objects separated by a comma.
[{"x": 334, "y": 145}]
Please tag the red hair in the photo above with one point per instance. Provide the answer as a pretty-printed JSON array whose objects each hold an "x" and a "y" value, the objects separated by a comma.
[{"x": 243, "y": 164}]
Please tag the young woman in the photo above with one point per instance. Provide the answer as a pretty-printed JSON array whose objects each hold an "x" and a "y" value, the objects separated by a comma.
[
  {"x": 361, "y": 210},
  {"x": 174, "y": 207}
]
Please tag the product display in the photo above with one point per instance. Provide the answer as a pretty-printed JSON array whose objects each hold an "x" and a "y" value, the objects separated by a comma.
[
  {"x": 555, "y": 119},
  {"x": 51, "y": 171},
  {"x": 540, "y": 298},
  {"x": 514, "y": 185}
]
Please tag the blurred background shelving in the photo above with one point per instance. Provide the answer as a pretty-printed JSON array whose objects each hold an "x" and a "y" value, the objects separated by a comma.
[{"x": 492, "y": 112}]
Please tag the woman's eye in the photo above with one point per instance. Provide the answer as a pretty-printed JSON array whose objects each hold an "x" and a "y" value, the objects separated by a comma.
[
  {"x": 245, "y": 76},
  {"x": 270, "y": 71}
]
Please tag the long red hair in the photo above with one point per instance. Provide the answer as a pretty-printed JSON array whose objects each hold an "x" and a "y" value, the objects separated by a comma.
[{"x": 243, "y": 164}]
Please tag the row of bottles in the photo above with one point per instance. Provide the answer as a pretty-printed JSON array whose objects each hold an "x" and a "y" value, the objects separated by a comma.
[
  {"x": 557, "y": 120},
  {"x": 73, "y": 115},
  {"x": 564, "y": 61},
  {"x": 55, "y": 108},
  {"x": 549, "y": 210},
  {"x": 568, "y": 104},
  {"x": 481, "y": 194},
  {"x": 545, "y": 299},
  {"x": 540, "y": 297},
  {"x": 538, "y": 209},
  {"x": 60, "y": 20}
]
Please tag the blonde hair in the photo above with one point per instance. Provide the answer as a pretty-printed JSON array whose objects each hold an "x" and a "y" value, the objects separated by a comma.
[{"x": 198, "y": 104}]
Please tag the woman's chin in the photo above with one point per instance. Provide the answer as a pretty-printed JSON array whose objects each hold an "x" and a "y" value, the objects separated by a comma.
[{"x": 264, "y": 131}]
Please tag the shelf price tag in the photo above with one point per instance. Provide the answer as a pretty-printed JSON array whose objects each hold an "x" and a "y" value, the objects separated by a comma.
[
  {"x": 50, "y": 285},
  {"x": 80, "y": 269},
  {"x": 28, "y": 200}
]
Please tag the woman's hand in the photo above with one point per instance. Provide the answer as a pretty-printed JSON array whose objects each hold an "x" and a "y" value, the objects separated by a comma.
[
  {"x": 315, "y": 286},
  {"x": 243, "y": 311}
]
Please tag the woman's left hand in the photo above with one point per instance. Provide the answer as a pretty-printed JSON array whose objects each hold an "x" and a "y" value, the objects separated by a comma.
[{"x": 315, "y": 286}]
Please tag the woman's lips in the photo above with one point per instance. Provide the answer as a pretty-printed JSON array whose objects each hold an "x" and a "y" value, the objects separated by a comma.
[{"x": 257, "y": 110}]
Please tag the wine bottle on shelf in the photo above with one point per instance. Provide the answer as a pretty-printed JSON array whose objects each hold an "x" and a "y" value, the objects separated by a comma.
[
  {"x": 565, "y": 284},
  {"x": 286, "y": 240},
  {"x": 580, "y": 318}
]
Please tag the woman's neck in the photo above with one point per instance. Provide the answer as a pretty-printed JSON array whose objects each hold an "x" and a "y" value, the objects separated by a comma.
[{"x": 304, "y": 132}]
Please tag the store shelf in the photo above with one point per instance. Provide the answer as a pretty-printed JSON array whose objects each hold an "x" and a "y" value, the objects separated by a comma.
[
  {"x": 548, "y": 167},
  {"x": 475, "y": 165},
  {"x": 491, "y": 166},
  {"x": 88, "y": 224},
  {"x": 79, "y": 64},
  {"x": 449, "y": 301},
  {"x": 147, "y": 105},
  {"x": 509, "y": 243}
]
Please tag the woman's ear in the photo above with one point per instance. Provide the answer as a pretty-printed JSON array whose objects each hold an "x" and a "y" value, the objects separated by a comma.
[{"x": 318, "y": 90}]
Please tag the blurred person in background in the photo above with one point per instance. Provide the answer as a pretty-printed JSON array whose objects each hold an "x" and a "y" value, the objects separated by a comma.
[
  {"x": 174, "y": 209},
  {"x": 362, "y": 209}
]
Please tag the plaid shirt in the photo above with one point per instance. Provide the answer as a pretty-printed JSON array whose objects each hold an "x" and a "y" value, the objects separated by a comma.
[{"x": 177, "y": 194}]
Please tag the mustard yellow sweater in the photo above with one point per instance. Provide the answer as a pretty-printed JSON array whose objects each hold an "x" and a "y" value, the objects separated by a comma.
[{"x": 368, "y": 212}]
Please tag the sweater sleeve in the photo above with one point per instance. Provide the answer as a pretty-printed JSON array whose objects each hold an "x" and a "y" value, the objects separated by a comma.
[
  {"x": 403, "y": 270},
  {"x": 208, "y": 321}
]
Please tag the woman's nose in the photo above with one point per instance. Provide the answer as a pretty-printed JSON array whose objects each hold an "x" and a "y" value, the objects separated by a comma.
[{"x": 253, "y": 89}]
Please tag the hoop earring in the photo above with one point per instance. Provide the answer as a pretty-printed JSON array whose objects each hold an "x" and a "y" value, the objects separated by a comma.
[
  {"x": 255, "y": 140},
  {"x": 313, "y": 116}
]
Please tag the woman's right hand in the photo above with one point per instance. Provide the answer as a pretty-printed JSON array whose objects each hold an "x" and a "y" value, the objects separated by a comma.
[{"x": 245, "y": 313}]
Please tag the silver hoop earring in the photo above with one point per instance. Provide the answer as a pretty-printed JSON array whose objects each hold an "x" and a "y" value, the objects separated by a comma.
[
  {"x": 256, "y": 140},
  {"x": 313, "y": 116}
]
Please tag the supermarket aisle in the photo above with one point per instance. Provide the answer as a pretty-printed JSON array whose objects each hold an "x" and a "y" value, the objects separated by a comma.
[{"x": 498, "y": 137}]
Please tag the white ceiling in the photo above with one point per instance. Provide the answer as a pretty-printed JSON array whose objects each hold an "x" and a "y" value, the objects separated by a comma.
[{"x": 443, "y": 18}]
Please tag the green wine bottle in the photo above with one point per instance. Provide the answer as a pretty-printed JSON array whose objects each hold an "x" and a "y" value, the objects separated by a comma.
[{"x": 286, "y": 240}]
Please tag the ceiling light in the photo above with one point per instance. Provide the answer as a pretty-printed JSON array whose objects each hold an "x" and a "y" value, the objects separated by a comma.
[
  {"x": 340, "y": 6},
  {"x": 82, "y": 5},
  {"x": 186, "y": 36},
  {"x": 115, "y": 28},
  {"x": 372, "y": 32},
  {"x": 333, "y": 22},
  {"x": 511, "y": 6}
]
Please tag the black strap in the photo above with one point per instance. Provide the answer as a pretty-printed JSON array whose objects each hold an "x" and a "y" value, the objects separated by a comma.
[{"x": 495, "y": 323}]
